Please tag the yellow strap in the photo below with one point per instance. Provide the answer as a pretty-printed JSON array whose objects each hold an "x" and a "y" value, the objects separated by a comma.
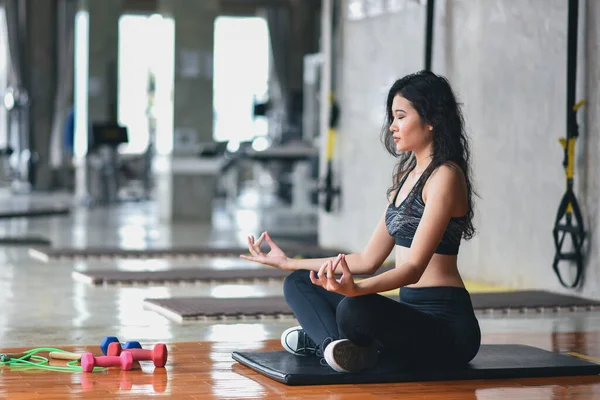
[
  {"x": 578, "y": 105},
  {"x": 569, "y": 145},
  {"x": 569, "y": 171},
  {"x": 471, "y": 286},
  {"x": 330, "y": 143}
]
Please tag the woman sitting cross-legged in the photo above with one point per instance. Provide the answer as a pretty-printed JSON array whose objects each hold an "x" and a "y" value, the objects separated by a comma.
[{"x": 429, "y": 211}]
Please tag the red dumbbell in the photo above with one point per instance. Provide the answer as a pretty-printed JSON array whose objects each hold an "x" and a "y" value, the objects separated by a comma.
[
  {"x": 88, "y": 361},
  {"x": 158, "y": 355}
]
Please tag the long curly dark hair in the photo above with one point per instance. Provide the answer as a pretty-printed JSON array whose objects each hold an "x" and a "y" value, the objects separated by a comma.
[{"x": 434, "y": 100}]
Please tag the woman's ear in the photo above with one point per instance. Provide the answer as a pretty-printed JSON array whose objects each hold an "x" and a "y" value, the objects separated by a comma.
[{"x": 429, "y": 131}]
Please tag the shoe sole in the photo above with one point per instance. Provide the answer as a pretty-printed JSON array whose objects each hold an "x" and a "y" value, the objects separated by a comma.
[{"x": 366, "y": 356}]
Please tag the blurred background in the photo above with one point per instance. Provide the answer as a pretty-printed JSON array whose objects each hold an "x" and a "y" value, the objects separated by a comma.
[{"x": 203, "y": 121}]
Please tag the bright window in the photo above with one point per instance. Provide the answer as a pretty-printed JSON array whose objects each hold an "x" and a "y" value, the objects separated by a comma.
[
  {"x": 241, "y": 65},
  {"x": 145, "y": 65}
]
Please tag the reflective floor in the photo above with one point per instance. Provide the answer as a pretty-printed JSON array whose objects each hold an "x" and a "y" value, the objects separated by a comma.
[
  {"x": 205, "y": 370},
  {"x": 42, "y": 305}
]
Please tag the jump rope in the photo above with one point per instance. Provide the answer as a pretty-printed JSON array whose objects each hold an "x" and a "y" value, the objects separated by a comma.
[{"x": 22, "y": 360}]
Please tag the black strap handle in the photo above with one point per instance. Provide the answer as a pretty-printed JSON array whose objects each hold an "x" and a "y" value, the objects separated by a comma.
[
  {"x": 572, "y": 67},
  {"x": 429, "y": 34}
]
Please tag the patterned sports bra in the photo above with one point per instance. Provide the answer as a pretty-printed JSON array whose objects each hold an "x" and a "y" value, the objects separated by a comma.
[{"x": 402, "y": 223}]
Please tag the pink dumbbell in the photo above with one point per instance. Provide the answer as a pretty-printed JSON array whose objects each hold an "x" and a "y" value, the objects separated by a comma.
[
  {"x": 88, "y": 361},
  {"x": 158, "y": 355}
]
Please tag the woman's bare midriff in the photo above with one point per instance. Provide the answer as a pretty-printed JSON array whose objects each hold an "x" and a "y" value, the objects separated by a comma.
[{"x": 441, "y": 271}]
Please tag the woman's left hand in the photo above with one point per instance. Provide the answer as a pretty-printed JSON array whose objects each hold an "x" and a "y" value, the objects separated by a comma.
[{"x": 326, "y": 277}]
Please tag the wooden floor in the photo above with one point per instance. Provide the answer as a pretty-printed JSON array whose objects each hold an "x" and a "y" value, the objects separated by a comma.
[{"x": 205, "y": 370}]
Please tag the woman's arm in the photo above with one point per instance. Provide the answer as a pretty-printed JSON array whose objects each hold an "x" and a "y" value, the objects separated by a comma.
[
  {"x": 372, "y": 257},
  {"x": 440, "y": 205}
]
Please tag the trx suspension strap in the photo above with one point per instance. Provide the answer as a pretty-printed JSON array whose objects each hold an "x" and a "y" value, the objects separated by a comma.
[
  {"x": 330, "y": 190},
  {"x": 328, "y": 187},
  {"x": 429, "y": 34},
  {"x": 569, "y": 208}
]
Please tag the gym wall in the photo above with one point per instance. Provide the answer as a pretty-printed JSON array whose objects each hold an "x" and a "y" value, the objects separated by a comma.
[{"x": 506, "y": 60}]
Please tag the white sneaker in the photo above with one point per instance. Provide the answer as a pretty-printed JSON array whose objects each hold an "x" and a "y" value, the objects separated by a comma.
[
  {"x": 344, "y": 356},
  {"x": 296, "y": 341}
]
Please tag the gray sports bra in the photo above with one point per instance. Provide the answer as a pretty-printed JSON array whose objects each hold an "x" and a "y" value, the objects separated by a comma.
[{"x": 402, "y": 224}]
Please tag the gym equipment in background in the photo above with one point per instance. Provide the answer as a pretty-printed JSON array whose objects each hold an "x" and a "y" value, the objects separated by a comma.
[
  {"x": 569, "y": 207},
  {"x": 104, "y": 162}
]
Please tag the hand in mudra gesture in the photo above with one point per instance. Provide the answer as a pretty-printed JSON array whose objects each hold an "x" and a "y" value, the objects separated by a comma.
[
  {"x": 275, "y": 258},
  {"x": 325, "y": 278}
]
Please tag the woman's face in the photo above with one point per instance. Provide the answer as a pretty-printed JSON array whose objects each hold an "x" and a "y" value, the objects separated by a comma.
[{"x": 409, "y": 133}]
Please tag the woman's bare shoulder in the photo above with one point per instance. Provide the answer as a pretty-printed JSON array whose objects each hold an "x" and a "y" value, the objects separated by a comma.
[{"x": 448, "y": 175}]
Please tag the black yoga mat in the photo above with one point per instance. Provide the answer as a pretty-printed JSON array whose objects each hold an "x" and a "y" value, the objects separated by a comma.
[
  {"x": 177, "y": 275},
  {"x": 293, "y": 250},
  {"x": 24, "y": 241},
  {"x": 493, "y": 361},
  {"x": 191, "y": 308},
  {"x": 34, "y": 212},
  {"x": 535, "y": 299},
  {"x": 230, "y": 270}
]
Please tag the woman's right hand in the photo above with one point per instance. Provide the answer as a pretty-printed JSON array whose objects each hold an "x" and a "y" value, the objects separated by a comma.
[{"x": 275, "y": 258}]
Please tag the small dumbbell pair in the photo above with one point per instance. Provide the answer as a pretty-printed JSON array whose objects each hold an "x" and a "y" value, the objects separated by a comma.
[
  {"x": 118, "y": 357},
  {"x": 113, "y": 339},
  {"x": 103, "y": 346}
]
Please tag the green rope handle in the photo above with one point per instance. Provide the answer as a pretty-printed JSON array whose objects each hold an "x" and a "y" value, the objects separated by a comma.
[{"x": 21, "y": 362}]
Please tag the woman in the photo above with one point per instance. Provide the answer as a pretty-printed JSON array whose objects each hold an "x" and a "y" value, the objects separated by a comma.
[{"x": 429, "y": 210}]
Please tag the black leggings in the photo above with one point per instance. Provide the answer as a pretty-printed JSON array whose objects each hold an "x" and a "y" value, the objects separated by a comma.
[{"x": 433, "y": 324}]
